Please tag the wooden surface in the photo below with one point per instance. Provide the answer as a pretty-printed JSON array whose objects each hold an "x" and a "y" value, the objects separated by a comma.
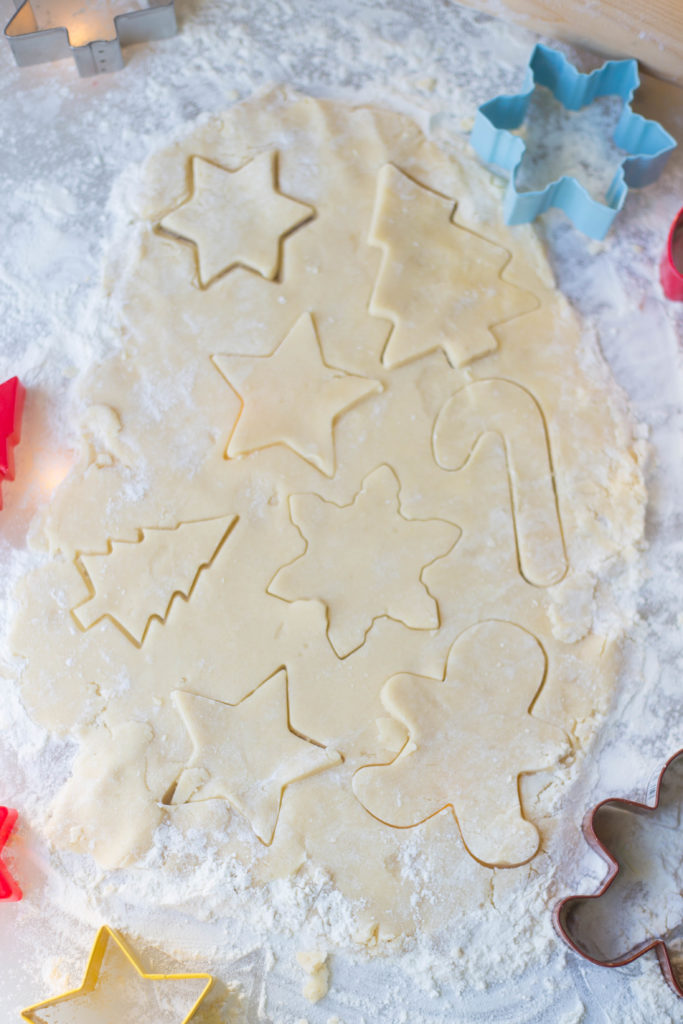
[
  {"x": 651, "y": 30},
  {"x": 663, "y": 102}
]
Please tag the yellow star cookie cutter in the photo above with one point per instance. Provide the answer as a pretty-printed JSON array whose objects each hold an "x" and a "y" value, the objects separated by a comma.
[{"x": 93, "y": 977}]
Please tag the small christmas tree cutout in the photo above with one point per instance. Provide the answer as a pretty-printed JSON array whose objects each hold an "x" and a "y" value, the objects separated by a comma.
[
  {"x": 133, "y": 582},
  {"x": 440, "y": 284}
]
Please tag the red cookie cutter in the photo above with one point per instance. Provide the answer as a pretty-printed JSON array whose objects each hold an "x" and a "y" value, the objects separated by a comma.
[
  {"x": 564, "y": 911},
  {"x": 12, "y": 394},
  {"x": 9, "y": 890},
  {"x": 671, "y": 267}
]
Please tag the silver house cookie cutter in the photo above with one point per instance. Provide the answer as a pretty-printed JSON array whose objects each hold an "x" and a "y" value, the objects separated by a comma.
[{"x": 33, "y": 45}]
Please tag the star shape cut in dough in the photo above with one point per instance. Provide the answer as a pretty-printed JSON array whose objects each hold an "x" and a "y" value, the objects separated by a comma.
[
  {"x": 116, "y": 988},
  {"x": 440, "y": 284},
  {"x": 247, "y": 753},
  {"x": 470, "y": 736},
  {"x": 364, "y": 560},
  {"x": 291, "y": 397},
  {"x": 236, "y": 218}
]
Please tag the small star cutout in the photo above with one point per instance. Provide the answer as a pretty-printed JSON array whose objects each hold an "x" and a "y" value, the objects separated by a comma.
[
  {"x": 247, "y": 753},
  {"x": 291, "y": 397},
  {"x": 236, "y": 218},
  {"x": 116, "y": 989},
  {"x": 364, "y": 560}
]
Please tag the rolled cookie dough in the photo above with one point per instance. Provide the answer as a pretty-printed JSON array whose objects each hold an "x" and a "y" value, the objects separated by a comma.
[{"x": 392, "y": 360}]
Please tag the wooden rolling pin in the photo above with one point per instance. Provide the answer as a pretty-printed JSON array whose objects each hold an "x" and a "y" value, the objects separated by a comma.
[{"x": 651, "y": 31}]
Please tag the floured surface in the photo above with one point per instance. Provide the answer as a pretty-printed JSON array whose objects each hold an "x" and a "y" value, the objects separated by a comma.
[
  {"x": 574, "y": 143},
  {"x": 69, "y": 139},
  {"x": 288, "y": 501}
]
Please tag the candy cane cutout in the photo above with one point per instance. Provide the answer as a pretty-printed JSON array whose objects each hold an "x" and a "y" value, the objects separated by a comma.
[{"x": 509, "y": 410}]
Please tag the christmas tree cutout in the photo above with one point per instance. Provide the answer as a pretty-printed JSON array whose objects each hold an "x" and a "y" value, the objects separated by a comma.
[
  {"x": 440, "y": 284},
  {"x": 133, "y": 582}
]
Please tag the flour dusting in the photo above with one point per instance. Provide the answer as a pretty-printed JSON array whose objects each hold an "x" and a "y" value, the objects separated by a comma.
[{"x": 70, "y": 139}]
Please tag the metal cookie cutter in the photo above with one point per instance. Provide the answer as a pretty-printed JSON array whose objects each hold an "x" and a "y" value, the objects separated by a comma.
[
  {"x": 33, "y": 45},
  {"x": 671, "y": 267},
  {"x": 565, "y": 913},
  {"x": 647, "y": 143},
  {"x": 9, "y": 890}
]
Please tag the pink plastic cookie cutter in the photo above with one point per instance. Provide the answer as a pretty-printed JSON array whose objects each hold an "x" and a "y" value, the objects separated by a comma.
[
  {"x": 671, "y": 267},
  {"x": 9, "y": 890},
  {"x": 12, "y": 394}
]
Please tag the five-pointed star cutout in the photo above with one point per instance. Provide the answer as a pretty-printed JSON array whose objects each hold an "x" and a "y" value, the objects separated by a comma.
[
  {"x": 471, "y": 735},
  {"x": 116, "y": 989},
  {"x": 291, "y": 397},
  {"x": 247, "y": 753},
  {"x": 236, "y": 218},
  {"x": 9, "y": 890},
  {"x": 364, "y": 560},
  {"x": 440, "y": 284}
]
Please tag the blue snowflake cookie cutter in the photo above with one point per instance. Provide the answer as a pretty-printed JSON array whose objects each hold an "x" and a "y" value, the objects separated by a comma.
[{"x": 646, "y": 142}]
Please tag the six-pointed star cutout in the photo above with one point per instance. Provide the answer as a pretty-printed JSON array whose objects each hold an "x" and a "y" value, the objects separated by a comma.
[
  {"x": 291, "y": 397},
  {"x": 440, "y": 284},
  {"x": 236, "y": 218},
  {"x": 116, "y": 989},
  {"x": 247, "y": 753},
  {"x": 471, "y": 735},
  {"x": 364, "y": 560}
]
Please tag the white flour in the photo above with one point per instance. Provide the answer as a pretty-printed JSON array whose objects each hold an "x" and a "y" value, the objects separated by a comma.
[
  {"x": 65, "y": 140},
  {"x": 577, "y": 143}
]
